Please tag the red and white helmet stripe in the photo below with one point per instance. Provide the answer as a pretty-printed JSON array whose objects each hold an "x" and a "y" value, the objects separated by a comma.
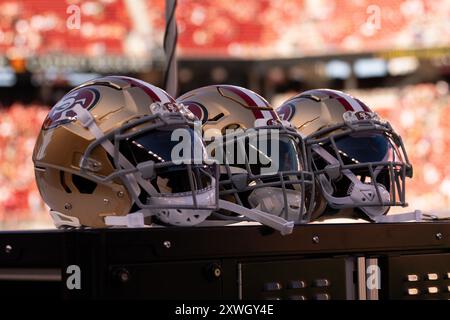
[
  {"x": 261, "y": 106},
  {"x": 155, "y": 93},
  {"x": 349, "y": 102}
]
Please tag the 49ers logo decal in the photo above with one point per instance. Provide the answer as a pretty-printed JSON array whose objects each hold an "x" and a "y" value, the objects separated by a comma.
[
  {"x": 286, "y": 112},
  {"x": 364, "y": 115},
  {"x": 63, "y": 112},
  {"x": 200, "y": 112}
]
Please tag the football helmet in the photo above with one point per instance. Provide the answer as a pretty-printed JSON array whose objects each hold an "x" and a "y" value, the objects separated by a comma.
[
  {"x": 262, "y": 160},
  {"x": 104, "y": 157},
  {"x": 358, "y": 159}
]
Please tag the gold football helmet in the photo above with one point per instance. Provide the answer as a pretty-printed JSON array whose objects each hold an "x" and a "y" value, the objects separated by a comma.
[
  {"x": 104, "y": 157},
  {"x": 262, "y": 160},
  {"x": 358, "y": 159}
]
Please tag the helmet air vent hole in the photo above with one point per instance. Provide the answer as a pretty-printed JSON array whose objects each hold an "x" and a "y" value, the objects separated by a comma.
[
  {"x": 63, "y": 182},
  {"x": 217, "y": 117},
  {"x": 83, "y": 185}
]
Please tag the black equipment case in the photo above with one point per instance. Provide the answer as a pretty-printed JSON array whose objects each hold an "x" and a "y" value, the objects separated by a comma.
[{"x": 318, "y": 261}]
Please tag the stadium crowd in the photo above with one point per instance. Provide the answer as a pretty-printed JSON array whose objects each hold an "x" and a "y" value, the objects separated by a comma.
[
  {"x": 20, "y": 201},
  {"x": 420, "y": 113},
  {"x": 30, "y": 27},
  {"x": 292, "y": 28},
  {"x": 251, "y": 28}
]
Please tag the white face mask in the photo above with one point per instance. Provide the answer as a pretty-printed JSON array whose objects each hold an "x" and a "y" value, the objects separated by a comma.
[
  {"x": 271, "y": 200},
  {"x": 183, "y": 217},
  {"x": 359, "y": 193}
]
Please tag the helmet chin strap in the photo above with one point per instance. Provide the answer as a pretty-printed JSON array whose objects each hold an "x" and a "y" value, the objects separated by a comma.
[
  {"x": 131, "y": 220},
  {"x": 136, "y": 219},
  {"x": 275, "y": 222},
  {"x": 360, "y": 192}
]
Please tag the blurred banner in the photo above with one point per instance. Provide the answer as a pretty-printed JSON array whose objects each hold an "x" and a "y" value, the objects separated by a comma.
[{"x": 228, "y": 28}]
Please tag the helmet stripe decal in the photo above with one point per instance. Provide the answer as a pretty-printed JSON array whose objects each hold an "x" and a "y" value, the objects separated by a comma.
[
  {"x": 171, "y": 99},
  {"x": 344, "y": 102},
  {"x": 256, "y": 112},
  {"x": 350, "y": 100},
  {"x": 256, "y": 97},
  {"x": 243, "y": 95},
  {"x": 254, "y": 100},
  {"x": 363, "y": 105},
  {"x": 153, "y": 92},
  {"x": 269, "y": 114}
]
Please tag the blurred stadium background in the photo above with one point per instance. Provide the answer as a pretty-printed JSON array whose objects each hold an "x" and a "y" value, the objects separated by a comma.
[{"x": 393, "y": 54}]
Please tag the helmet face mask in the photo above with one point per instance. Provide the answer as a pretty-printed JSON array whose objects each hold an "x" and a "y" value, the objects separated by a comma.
[
  {"x": 363, "y": 164},
  {"x": 359, "y": 161},
  {"x": 266, "y": 171}
]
